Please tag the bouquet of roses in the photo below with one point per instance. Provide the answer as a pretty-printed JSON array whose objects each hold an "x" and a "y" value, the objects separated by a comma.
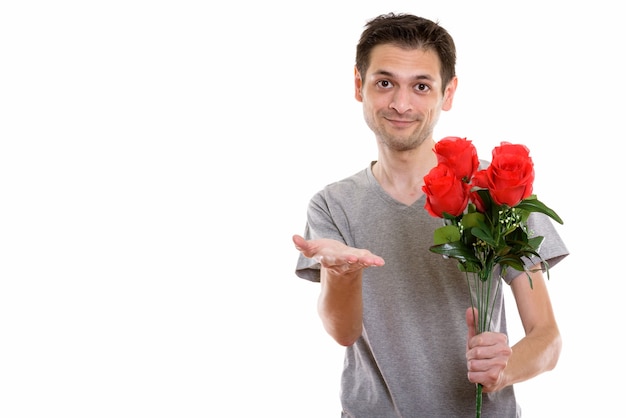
[{"x": 485, "y": 213}]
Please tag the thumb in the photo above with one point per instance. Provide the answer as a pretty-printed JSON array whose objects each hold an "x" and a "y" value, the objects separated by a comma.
[
  {"x": 471, "y": 316},
  {"x": 299, "y": 242}
]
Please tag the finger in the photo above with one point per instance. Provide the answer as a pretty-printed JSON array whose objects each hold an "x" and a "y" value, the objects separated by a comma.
[
  {"x": 298, "y": 241},
  {"x": 470, "y": 319},
  {"x": 307, "y": 248}
]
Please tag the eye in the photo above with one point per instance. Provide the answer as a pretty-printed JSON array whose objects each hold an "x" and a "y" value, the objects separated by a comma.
[
  {"x": 385, "y": 84},
  {"x": 424, "y": 88}
]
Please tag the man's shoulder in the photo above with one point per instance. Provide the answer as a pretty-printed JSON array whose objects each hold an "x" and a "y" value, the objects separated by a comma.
[
  {"x": 346, "y": 186},
  {"x": 360, "y": 177}
]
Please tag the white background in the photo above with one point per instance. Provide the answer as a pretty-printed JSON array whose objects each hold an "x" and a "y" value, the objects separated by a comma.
[{"x": 157, "y": 156}]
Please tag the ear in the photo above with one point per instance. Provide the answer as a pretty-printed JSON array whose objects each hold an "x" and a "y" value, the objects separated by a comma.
[
  {"x": 358, "y": 85},
  {"x": 448, "y": 95}
]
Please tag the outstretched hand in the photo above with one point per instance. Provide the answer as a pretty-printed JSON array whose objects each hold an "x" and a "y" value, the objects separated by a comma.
[
  {"x": 336, "y": 256},
  {"x": 487, "y": 355}
]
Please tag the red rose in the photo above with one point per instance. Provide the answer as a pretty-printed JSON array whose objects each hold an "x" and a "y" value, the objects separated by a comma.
[
  {"x": 479, "y": 181},
  {"x": 445, "y": 193},
  {"x": 510, "y": 175},
  {"x": 459, "y": 154}
]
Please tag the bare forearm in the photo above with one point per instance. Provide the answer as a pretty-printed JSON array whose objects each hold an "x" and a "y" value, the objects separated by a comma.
[
  {"x": 540, "y": 349},
  {"x": 340, "y": 306},
  {"x": 533, "y": 355}
]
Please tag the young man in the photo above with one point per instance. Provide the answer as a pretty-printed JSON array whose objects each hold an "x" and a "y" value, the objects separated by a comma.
[{"x": 400, "y": 310}]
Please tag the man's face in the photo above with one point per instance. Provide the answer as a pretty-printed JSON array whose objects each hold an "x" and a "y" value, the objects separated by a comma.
[{"x": 402, "y": 95}]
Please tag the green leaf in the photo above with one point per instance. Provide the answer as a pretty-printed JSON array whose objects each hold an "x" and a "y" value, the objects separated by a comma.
[
  {"x": 457, "y": 251},
  {"x": 483, "y": 232},
  {"x": 512, "y": 261},
  {"x": 472, "y": 219},
  {"x": 445, "y": 234},
  {"x": 532, "y": 204},
  {"x": 535, "y": 242},
  {"x": 468, "y": 267}
]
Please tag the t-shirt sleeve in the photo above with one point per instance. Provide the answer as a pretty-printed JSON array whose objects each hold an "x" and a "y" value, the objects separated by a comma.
[
  {"x": 319, "y": 224},
  {"x": 307, "y": 268}
]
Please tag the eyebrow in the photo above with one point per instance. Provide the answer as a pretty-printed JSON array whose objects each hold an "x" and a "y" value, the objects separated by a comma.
[{"x": 390, "y": 74}]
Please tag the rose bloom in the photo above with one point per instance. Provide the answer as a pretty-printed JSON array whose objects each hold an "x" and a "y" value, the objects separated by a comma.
[
  {"x": 458, "y": 154},
  {"x": 445, "y": 193},
  {"x": 510, "y": 175},
  {"x": 479, "y": 181}
]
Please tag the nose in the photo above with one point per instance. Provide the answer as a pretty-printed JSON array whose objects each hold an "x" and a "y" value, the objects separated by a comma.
[{"x": 401, "y": 101}]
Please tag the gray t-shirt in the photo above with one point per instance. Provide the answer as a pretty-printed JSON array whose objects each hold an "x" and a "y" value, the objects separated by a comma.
[{"x": 410, "y": 358}]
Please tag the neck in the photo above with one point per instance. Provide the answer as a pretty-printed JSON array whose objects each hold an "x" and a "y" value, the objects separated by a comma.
[{"x": 401, "y": 175}]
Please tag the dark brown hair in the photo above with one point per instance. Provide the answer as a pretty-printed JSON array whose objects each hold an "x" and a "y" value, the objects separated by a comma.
[{"x": 407, "y": 31}]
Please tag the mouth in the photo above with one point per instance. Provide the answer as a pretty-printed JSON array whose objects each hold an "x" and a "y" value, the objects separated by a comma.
[{"x": 401, "y": 123}]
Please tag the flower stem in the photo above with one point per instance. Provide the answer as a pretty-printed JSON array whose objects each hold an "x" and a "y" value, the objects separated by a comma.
[{"x": 479, "y": 399}]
